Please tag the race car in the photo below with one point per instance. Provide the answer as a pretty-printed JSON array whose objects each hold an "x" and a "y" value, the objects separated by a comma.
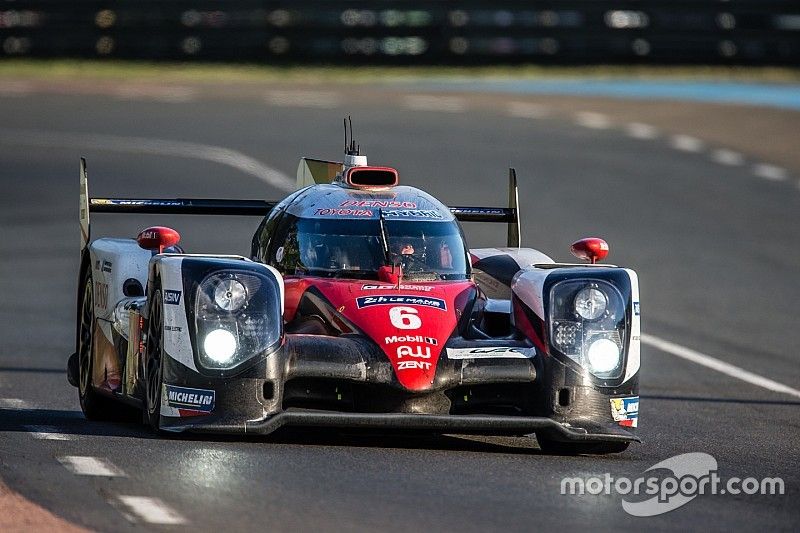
[{"x": 359, "y": 306}]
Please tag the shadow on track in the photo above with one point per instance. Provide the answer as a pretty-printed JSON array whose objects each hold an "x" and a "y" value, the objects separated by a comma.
[{"x": 717, "y": 400}]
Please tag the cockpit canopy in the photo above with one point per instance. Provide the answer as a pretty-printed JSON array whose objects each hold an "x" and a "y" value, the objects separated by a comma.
[{"x": 428, "y": 250}]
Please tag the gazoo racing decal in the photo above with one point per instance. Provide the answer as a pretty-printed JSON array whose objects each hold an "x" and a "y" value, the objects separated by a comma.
[
  {"x": 367, "y": 301},
  {"x": 172, "y": 297},
  {"x": 192, "y": 399},
  {"x": 625, "y": 411},
  {"x": 394, "y": 339},
  {"x": 493, "y": 352},
  {"x": 412, "y": 213}
]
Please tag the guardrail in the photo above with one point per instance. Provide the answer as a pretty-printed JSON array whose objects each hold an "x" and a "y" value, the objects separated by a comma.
[{"x": 407, "y": 32}]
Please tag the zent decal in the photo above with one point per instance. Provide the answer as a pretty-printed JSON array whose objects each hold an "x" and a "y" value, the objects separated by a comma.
[{"x": 411, "y": 365}]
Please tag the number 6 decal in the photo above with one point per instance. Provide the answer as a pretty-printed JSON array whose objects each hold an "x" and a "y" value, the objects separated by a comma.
[{"x": 404, "y": 318}]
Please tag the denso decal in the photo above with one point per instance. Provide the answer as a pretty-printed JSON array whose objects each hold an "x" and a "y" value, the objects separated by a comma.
[
  {"x": 343, "y": 212},
  {"x": 411, "y": 365},
  {"x": 494, "y": 352},
  {"x": 421, "y": 288},
  {"x": 194, "y": 399},
  {"x": 172, "y": 297},
  {"x": 418, "y": 352},
  {"x": 367, "y": 301},
  {"x": 412, "y": 213},
  {"x": 625, "y": 411},
  {"x": 410, "y": 338},
  {"x": 378, "y": 203}
]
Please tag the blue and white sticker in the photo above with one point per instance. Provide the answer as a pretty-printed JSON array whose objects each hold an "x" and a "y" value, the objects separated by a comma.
[
  {"x": 625, "y": 411},
  {"x": 636, "y": 308},
  {"x": 172, "y": 297},
  {"x": 367, "y": 301},
  {"x": 194, "y": 399}
]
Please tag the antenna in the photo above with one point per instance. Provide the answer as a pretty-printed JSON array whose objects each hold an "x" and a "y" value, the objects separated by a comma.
[{"x": 352, "y": 148}]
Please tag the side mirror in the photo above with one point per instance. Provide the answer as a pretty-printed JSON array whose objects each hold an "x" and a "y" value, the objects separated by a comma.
[
  {"x": 592, "y": 249},
  {"x": 156, "y": 238}
]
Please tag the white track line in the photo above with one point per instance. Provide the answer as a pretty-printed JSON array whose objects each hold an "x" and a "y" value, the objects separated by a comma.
[
  {"x": 144, "y": 145},
  {"x": 770, "y": 172},
  {"x": 90, "y": 466},
  {"x": 424, "y": 102},
  {"x": 727, "y": 157},
  {"x": 47, "y": 433},
  {"x": 638, "y": 130},
  {"x": 592, "y": 120},
  {"x": 150, "y": 510},
  {"x": 318, "y": 99},
  {"x": 14, "y": 403},
  {"x": 526, "y": 110},
  {"x": 686, "y": 143},
  {"x": 718, "y": 365}
]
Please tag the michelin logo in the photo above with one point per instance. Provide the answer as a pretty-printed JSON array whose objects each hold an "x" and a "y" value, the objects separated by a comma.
[
  {"x": 172, "y": 297},
  {"x": 194, "y": 399}
]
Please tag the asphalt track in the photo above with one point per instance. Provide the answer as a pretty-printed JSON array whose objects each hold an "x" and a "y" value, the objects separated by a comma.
[{"x": 716, "y": 249}]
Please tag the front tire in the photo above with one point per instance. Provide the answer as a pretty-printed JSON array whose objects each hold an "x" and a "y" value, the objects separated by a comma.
[{"x": 155, "y": 363}]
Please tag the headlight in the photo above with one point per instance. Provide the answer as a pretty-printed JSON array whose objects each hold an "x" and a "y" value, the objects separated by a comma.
[
  {"x": 590, "y": 303},
  {"x": 220, "y": 345},
  {"x": 603, "y": 355},
  {"x": 588, "y": 324},
  {"x": 237, "y": 316},
  {"x": 230, "y": 295}
]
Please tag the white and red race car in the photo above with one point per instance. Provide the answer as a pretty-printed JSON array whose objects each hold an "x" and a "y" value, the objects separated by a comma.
[{"x": 359, "y": 306}]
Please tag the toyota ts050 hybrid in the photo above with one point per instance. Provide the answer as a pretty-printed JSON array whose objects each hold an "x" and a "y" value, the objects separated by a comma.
[{"x": 359, "y": 306}]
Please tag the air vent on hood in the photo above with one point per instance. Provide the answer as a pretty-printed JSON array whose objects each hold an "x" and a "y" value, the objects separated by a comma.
[{"x": 371, "y": 177}]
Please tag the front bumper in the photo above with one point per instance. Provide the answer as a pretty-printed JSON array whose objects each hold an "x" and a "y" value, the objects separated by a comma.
[{"x": 462, "y": 424}]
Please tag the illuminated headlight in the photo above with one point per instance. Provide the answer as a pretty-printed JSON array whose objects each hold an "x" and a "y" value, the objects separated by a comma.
[
  {"x": 590, "y": 303},
  {"x": 588, "y": 323},
  {"x": 603, "y": 356},
  {"x": 230, "y": 295},
  {"x": 220, "y": 345}
]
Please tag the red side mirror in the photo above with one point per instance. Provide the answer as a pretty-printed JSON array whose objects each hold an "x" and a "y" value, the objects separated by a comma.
[
  {"x": 591, "y": 249},
  {"x": 158, "y": 238}
]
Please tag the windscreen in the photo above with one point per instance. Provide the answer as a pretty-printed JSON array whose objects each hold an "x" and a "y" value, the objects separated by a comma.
[{"x": 427, "y": 250}]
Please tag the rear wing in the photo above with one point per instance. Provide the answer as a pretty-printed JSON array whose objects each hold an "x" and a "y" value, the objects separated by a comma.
[{"x": 260, "y": 208}]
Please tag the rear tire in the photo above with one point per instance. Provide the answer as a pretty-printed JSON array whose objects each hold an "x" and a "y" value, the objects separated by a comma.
[
  {"x": 553, "y": 447},
  {"x": 155, "y": 363},
  {"x": 94, "y": 405}
]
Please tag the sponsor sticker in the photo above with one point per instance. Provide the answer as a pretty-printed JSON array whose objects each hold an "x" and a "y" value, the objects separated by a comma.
[
  {"x": 107, "y": 266},
  {"x": 412, "y": 213},
  {"x": 635, "y": 308},
  {"x": 401, "y": 299},
  {"x": 379, "y": 203},
  {"x": 494, "y": 352},
  {"x": 176, "y": 329},
  {"x": 421, "y": 288},
  {"x": 194, "y": 399},
  {"x": 410, "y": 338},
  {"x": 172, "y": 297},
  {"x": 422, "y": 352},
  {"x": 343, "y": 212},
  {"x": 413, "y": 365},
  {"x": 625, "y": 411}
]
